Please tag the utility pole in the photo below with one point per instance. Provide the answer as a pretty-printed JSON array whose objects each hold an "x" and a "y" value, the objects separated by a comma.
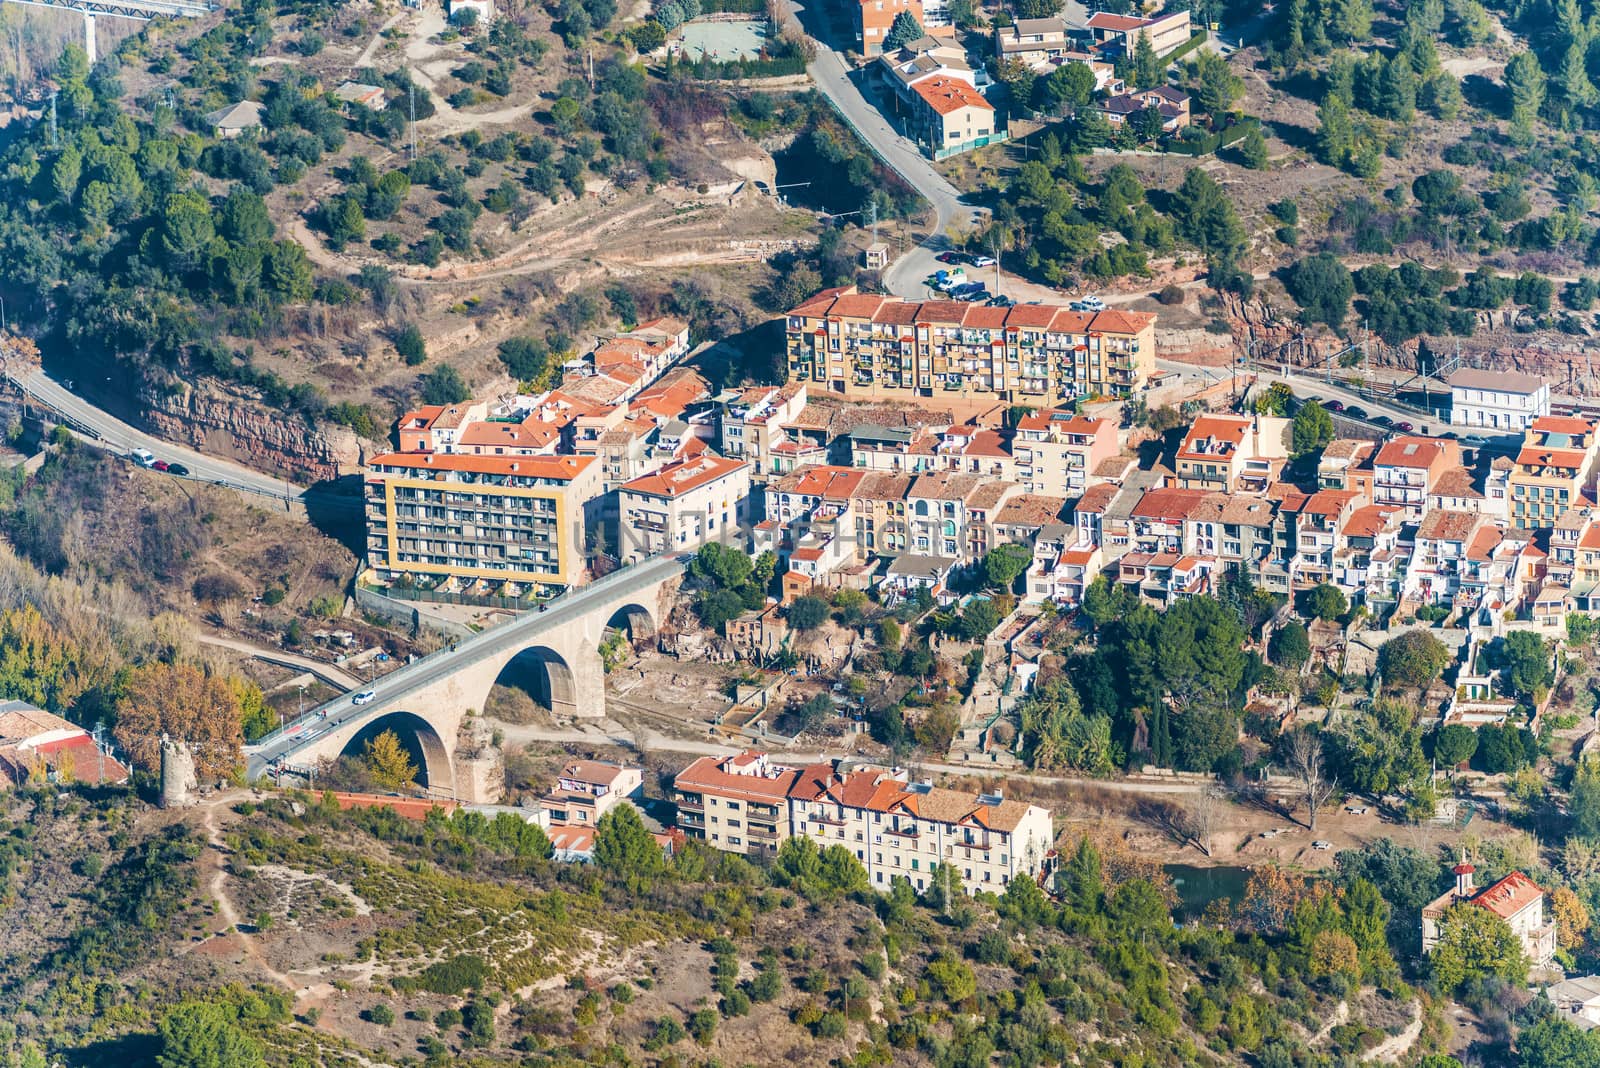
[{"x": 53, "y": 96}]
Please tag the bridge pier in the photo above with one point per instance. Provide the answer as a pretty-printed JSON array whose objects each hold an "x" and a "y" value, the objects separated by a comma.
[{"x": 88, "y": 37}]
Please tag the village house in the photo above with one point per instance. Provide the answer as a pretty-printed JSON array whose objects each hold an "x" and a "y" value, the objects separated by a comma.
[
  {"x": 1516, "y": 899},
  {"x": 585, "y": 790}
]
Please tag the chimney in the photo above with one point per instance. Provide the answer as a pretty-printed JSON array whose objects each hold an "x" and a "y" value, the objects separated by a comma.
[{"x": 1463, "y": 873}]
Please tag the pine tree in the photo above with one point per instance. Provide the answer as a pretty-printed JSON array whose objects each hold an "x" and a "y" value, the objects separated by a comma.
[
  {"x": 1147, "y": 70},
  {"x": 1526, "y": 81},
  {"x": 1336, "y": 133}
]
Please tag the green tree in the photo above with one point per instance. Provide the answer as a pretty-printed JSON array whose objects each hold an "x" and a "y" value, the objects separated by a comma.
[
  {"x": 1554, "y": 1043},
  {"x": 1214, "y": 85},
  {"x": 624, "y": 846},
  {"x": 1322, "y": 286},
  {"x": 1526, "y": 83},
  {"x": 185, "y": 231},
  {"x": 1455, "y": 743},
  {"x": 807, "y": 613},
  {"x": 1526, "y": 667},
  {"x": 1071, "y": 85},
  {"x": 65, "y": 173},
  {"x": 1148, "y": 71},
  {"x": 1335, "y": 131},
  {"x": 1312, "y": 428},
  {"x": 388, "y": 762},
  {"x": 1474, "y": 944},
  {"x": 902, "y": 31},
  {"x": 1204, "y": 216},
  {"x": 1291, "y": 645},
  {"x": 1056, "y": 733},
  {"x": 978, "y": 619},
  {"x": 1005, "y": 564},
  {"x": 1351, "y": 21},
  {"x": 1416, "y": 658},
  {"x": 409, "y": 343},
  {"x": 1253, "y": 149},
  {"x": 444, "y": 385},
  {"x": 1326, "y": 602},
  {"x": 205, "y": 1035}
]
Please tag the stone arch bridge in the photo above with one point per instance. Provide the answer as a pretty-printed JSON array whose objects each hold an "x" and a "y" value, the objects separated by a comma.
[{"x": 425, "y": 702}]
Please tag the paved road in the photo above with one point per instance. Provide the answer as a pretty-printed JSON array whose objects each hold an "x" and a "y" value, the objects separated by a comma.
[
  {"x": 329, "y": 673},
  {"x": 831, "y": 74},
  {"x": 121, "y": 438},
  {"x": 518, "y": 633}
]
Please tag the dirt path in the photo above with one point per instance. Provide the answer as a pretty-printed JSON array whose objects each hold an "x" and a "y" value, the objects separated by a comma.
[
  {"x": 365, "y": 58},
  {"x": 217, "y": 885},
  {"x": 1396, "y": 1046}
]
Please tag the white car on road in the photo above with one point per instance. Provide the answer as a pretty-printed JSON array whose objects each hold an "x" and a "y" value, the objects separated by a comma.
[{"x": 363, "y": 697}]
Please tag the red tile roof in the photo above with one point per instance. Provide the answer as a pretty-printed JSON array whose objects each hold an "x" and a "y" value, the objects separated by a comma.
[
  {"x": 946, "y": 94},
  {"x": 560, "y": 468},
  {"x": 1510, "y": 895},
  {"x": 684, "y": 476}
]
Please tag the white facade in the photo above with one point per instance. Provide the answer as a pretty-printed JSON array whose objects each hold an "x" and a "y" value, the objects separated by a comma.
[
  {"x": 1497, "y": 400},
  {"x": 683, "y": 506}
]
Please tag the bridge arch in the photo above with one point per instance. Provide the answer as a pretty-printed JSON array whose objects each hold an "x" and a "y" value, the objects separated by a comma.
[
  {"x": 638, "y": 619},
  {"x": 428, "y": 750},
  {"x": 545, "y": 675}
]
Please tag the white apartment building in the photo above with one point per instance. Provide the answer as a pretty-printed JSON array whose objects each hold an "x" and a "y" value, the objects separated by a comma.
[
  {"x": 683, "y": 506},
  {"x": 1497, "y": 400},
  {"x": 900, "y": 828}
]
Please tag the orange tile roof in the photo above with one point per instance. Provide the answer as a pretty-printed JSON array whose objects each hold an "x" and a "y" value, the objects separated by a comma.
[
  {"x": 560, "y": 468},
  {"x": 684, "y": 476},
  {"x": 1329, "y": 501},
  {"x": 1441, "y": 524},
  {"x": 1224, "y": 428},
  {"x": 946, "y": 94},
  {"x": 1562, "y": 424},
  {"x": 1539, "y": 456},
  {"x": 705, "y": 775},
  {"x": 1369, "y": 521},
  {"x": 529, "y": 435},
  {"x": 1410, "y": 451},
  {"x": 1510, "y": 895},
  {"x": 422, "y": 418},
  {"x": 1168, "y": 502},
  {"x": 857, "y": 305},
  {"x": 1113, "y": 321}
]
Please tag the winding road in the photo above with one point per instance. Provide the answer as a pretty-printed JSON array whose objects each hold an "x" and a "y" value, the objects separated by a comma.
[{"x": 119, "y": 437}]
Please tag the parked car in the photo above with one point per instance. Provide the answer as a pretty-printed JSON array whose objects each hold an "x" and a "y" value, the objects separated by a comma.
[
  {"x": 950, "y": 257},
  {"x": 1404, "y": 427},
  {"x": 1382, "y": 420},
  {"x": 1322, "y": 844},
  {"x": 1090, "y": 303},
  {"x": 970, "y": 291},
  {"x": 1356, "y": 412},
  {"x": 1000, "y": 300},
  {"x": 142, "y": 457},
  {"x": 983, "y": 261},
  {"x": 1334, "y": 406},
  {"x": 160, "y": 465},
  {"x": 364, "y": 697},
  {"x": 177, "y": 469}
]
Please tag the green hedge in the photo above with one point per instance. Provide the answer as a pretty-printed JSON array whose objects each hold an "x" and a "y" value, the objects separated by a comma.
[
  {"x": 733, "y": 7},
  {"x": 1188, "y": 46},
  {"x": 1211, "y": 142}
]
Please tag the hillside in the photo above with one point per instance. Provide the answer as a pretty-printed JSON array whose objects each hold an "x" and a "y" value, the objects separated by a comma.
[
  {"x": 287, "y": 930},
  {"x": 312, "y": 271}
]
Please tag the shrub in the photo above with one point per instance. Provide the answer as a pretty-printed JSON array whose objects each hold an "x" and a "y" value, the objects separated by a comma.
[
  {"x": 1170, "y": 295},
  {"x": 408, "y": 342},
  {"x": 380, "y": 1014}
]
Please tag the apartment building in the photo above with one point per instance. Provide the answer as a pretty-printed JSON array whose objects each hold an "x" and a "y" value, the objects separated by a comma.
[
  {"x": 1316, "y": 535},
  {"x": 1552, "y": 471},
  {"x": 1220, "y": 451},
  {"x": 1062, "y": 568},
  {"x": 906, "y": 829},
  {"x": 1407, "y": 468},
  {"x": 737, "y": 803},
  {"x": 1234, "y": 529},
  {"x": 1156, "y": 522},
  {"x": 683, "y": 506},
  {"x": 1368, "y": 558},
  {"x": 510, "y": 519},
  {"x": 1057, "y": 452},
  {"x": 870, "y": 347},
  {"x": 947, "y": 116},
  {"x": 752, "y": 423},
  {"x": 1497, "y": 400}
]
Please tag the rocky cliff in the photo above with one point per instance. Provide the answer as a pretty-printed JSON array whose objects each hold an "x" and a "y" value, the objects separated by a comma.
[{"x": 235, "y": 424}]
